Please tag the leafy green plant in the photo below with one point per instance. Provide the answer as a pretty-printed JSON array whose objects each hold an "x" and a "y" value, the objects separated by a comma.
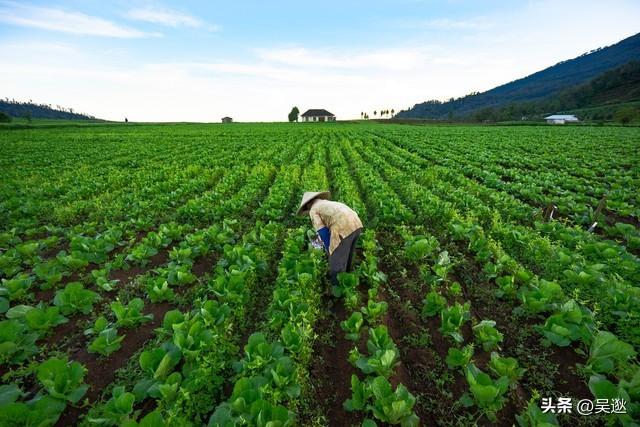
[
  {"x": 360, "y": 394},
  {"x": 17, "y": 287},
  {"x": 119, "y": 411},
  {"x": 607, "y": 353},
  {"x": 487, "y": 393},
  {"x": 374, "y": 310},
  {"x": 442, "y": 266},
  {"x": 346, "y": 289},
  {"x": 627, "y": 391},
  {"x": 158, "y": 290},
  {"x": 39, "y": 318},
  {"x": 534, "y": 417},
  {"x": 352, "y": 326},
  {"x": 379, "y": 339},
  {"x": 381, "y": 362},
  {"x": 433, "y": 304},
  {"x": 284, "y": 377},
  {"x": 214, "y": 313},
  {"x": 141, "y": 253},
  {"x": 10, "y": 263},
  {"x": 260, "y": 353},
  {"x": 75, "y": 261},
  {"x": 347, "y": 283},
  {"x": 182, "y": 255},
  {"x": 420, "y": 247},
  {"x": 393, "y": 407},
  {"x": 247, "y": 405},
  {"x": 49, "y": 272},
  {"x": 230, "y": 285},
  {"x": 543, "y": 296},
  {"x": 455, "y": 289},
  {"x": 191, "y": 336},
  {"x": 506, "y": 367},
  {"x": 452, "y": 318},
  {"x": 75, "y": 298},
  {"x": 107, "y": 340},
  {"x": 63, "y": 379},
  {"x": 293, "y": 337},
  {"x": 459, "y": 357},
  {"x": 39, "y": 411},
  {"x": 100, "y": 276},
  {"x": 28, "y": 251},
  {"x": 131, "y": 314},
  {"x": 383, "y": 353},
  {"x": 180, "y": 274},
  {"x": 506, "y": 287},
  {"x": 487, "y": 334},
  {"x": 157, "y": 366},
  {"x": 17, "y": 342},
  {"x": 573, "y": 323}
]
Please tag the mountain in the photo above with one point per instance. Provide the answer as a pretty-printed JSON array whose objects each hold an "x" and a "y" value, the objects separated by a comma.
[
  {"x": 598, "y": 99},
  {"x": 39, "y": 111},
  {"x": 535, "y": 87}
]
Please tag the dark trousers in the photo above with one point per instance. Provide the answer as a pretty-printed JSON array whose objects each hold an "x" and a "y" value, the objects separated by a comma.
[{"x": 342, "y": 257}]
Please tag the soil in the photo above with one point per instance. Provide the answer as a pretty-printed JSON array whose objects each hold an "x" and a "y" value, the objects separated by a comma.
[
  {"x": 424, "y": 363},
  {"x": 101, "y": 371},
  {"x": 613, "y": 217},
  {"x": 330, "y": 372},
  {"x": 67, "y": 330},
  {"x": 419, "y": 362}
]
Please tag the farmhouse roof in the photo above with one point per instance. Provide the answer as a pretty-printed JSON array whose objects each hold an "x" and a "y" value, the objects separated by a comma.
[
  {"x": 561, "y": 117},
  {"x": 317, "y": 112}
]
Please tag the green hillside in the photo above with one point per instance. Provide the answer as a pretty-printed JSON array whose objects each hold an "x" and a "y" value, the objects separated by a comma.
[
  {"x": 536, "y": 87},
  {"x": 598, "y": 99}
]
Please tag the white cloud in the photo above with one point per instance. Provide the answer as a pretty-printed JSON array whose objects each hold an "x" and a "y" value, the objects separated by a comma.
[
  {"x": 344, "y": 79},
  {"x": 65, "y": 21},
  {"x": 391, "y": 59},
  {"x": 255, "y": 89},
  {"x": 168, "y": 17}
]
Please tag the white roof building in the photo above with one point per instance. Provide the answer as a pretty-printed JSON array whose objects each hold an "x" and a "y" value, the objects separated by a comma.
[
  {"x": 560, "y": 119},
  {"x": 318, "y": 115}
]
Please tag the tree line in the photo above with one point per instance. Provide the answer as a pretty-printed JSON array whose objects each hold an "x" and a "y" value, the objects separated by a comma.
[{"x": 10, "y": 108}]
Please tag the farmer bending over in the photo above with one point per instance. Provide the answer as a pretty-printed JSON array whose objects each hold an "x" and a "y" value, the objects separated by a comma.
[{"x": 337, "y": 225}]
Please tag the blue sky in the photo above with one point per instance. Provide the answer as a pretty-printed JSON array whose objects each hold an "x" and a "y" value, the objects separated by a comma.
[{"x": 253, "y": 60}]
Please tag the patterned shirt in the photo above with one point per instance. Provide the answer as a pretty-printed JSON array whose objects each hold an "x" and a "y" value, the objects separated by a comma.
[{"x": 339, "y": 218}]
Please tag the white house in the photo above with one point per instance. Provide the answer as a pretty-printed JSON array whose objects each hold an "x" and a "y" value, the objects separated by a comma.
[
  {"x": 318, "y": 115},
  {"x": 560, "y": 119}
]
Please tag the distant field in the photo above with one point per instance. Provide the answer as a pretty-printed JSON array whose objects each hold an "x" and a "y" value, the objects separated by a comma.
[{"x": 167, "y": 262}]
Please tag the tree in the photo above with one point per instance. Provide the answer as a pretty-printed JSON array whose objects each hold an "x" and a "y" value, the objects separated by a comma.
[
  {"x": 27, "y": 115},
  {"x": 485, "y": 115},
  {"x": 4, "y": 117},
  {"x": 361, "y": 114},
  {"x": 625, "y": 115},
  {"x": 293, "y": 115},
  {"x": 374, "y": 113},
  {"x": 392, "y": 112}
]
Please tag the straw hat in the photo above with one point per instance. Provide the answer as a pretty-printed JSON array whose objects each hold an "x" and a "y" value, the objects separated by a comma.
[{"x": 308, "y": 197}]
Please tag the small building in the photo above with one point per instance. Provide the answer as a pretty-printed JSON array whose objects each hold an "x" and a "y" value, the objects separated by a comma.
[
  {"x": 318, "y": 115},
  {"x": 560, "y": 119},
  {"x": 227, "y": 120}
]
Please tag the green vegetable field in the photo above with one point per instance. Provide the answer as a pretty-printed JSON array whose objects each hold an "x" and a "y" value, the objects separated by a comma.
[{"x": 156, "y": 275}]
